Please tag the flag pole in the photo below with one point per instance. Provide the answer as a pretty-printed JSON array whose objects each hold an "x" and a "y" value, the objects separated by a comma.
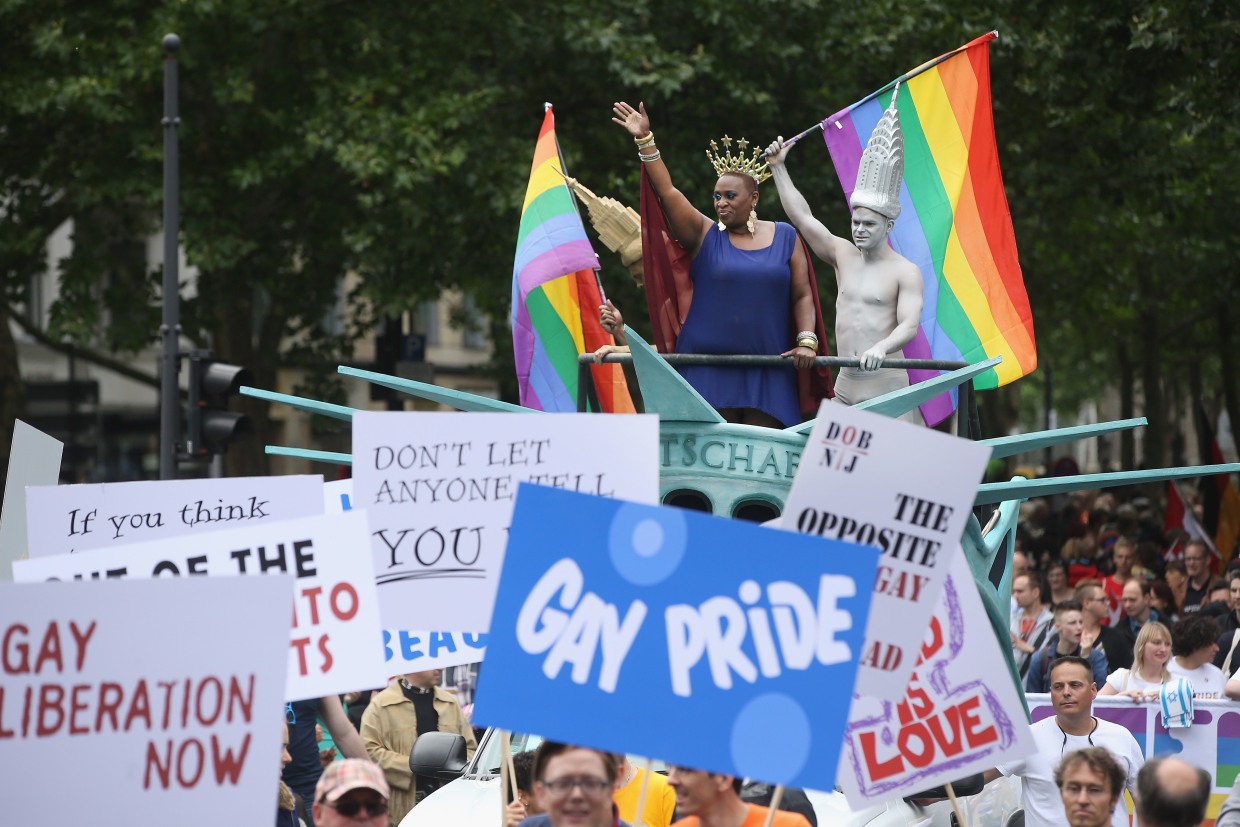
[
  {"x": 776, "y": 797},
  {"x": 504, "y": 777},
  {"x": 951, "y": 794},
  {"x": 930, "y": 64},
  {"x": 560, "y": 154},
  {"x": 648, "y": 766}
]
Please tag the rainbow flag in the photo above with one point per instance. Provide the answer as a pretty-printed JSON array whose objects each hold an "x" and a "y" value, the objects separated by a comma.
[
  {"x": 954, "y": 222},
  {"x": 555, "y": 294}
]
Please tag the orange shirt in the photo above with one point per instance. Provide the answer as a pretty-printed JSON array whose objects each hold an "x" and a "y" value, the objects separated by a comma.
[{"x": 756, "y": 818}]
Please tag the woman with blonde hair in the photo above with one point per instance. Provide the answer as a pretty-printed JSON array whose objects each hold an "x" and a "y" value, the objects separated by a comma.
[{"x": 1150, "y": 656}]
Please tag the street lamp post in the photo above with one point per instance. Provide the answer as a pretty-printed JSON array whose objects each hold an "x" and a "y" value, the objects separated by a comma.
[{"x": 170, "y": 330}]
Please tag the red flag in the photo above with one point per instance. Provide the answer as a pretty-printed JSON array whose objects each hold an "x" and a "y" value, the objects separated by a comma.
[
  {"x": 1180, "y": 517},
  {"x": 1219, "y": 499}
]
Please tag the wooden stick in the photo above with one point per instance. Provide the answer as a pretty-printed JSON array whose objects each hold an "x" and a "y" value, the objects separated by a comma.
[
  {"x": 951, "y": 796},
  {"x": 776, "y": 797},
  {"x": 506, "y": 775},
  {"x": 648, "y": 766}
]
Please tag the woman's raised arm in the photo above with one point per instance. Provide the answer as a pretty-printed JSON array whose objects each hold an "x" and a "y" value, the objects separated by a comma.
[{"x": 687, "y": 224}]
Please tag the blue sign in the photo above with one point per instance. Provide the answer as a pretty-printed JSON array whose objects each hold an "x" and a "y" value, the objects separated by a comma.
[{"x": 709, "y": 643}]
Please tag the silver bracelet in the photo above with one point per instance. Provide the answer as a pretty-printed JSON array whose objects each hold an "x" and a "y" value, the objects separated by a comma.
[{"x": 646, "y": 159}]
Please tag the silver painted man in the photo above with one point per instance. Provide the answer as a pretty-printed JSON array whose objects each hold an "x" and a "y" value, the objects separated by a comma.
[{"x": 879, "y": 298}]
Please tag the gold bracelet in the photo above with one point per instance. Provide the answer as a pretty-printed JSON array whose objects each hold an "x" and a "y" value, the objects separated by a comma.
[
  {"x": 812, "y": 344},
  {"x": 645, "y": 140}
]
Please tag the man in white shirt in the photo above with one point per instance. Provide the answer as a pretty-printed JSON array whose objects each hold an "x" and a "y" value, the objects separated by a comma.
[{"x": 1072, "y": 727}]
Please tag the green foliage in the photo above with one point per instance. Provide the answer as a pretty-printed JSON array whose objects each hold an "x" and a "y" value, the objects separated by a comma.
[{"x": 394, "y": 140}]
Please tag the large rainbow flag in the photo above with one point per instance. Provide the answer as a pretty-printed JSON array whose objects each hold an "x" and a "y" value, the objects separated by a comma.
[
  {"x": 555, "y": 294},
  {"x": 954, "y": 222}
]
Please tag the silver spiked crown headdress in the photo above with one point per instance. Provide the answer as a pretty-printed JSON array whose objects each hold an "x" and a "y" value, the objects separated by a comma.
[{"x": 882, "y": 165}]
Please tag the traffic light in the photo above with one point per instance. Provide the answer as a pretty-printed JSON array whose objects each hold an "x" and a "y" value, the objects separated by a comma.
[{"x": 209, "y": 425}]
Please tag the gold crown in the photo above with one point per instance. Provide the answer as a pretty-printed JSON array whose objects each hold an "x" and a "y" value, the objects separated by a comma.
[{"x": 724, "y": 163}]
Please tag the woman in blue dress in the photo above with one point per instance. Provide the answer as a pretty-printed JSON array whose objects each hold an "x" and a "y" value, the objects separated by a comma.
[{"x": 746, "y": 275}]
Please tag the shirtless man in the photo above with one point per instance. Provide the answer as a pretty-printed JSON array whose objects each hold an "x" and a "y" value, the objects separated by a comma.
[{"x": 880, "y": 291}]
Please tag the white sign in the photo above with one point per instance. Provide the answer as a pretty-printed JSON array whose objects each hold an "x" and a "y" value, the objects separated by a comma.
[
  {"x": 404, "y": 650},
  {"x": 69, "y": 518},
  {"x": 960, "y": 712},
  {"x": 335, "y": 643},
  {"x": 907, "y": 491},
  {"x": 141, "y": 702},
  {"x": 34, "y": 460},
  {"x": 440, "y": 486},
  {"x": 337, "y": 496}
]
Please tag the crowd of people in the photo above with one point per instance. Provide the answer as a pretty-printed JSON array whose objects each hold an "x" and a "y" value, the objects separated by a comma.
[
  {"x": 1101, "y": 580},
  {"x": 553, "y": 786}
]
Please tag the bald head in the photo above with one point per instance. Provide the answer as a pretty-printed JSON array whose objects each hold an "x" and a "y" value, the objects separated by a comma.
[{"x": 1172, "y": 793}]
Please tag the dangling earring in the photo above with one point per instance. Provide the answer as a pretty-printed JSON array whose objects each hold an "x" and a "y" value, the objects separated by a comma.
[
  {"x": 722, "y": 226},
  {"x": 752, "y": 223}
]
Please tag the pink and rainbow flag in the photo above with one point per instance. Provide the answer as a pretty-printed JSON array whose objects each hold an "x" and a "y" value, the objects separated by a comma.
[
  {"x": 954, "y": 222},
  {"x": 555, "y": 294}
]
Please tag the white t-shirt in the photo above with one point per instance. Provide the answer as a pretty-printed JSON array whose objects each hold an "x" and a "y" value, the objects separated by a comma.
[
  {"x": 1122, "y": 680},
  {"x": 1207, "y": 680},
  {"x": 1042, "y": 801}
]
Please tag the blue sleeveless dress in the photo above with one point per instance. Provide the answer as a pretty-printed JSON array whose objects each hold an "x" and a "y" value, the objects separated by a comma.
[{"x": 741, "y": 301}]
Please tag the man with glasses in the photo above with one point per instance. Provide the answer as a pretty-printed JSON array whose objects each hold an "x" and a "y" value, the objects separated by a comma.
[
  {"x": 1091, "y": 784},
  {"x": 575, "y": 785},
  {"x": 707, "y": 799},
  {"x": 351, "y": 792},
  {"x": 1196, "y": 589},
  {"x": 1073, "y": 727}
]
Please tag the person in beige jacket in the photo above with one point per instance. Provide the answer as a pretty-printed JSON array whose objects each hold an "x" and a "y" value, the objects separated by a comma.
[{"x": 408, "y": 707}]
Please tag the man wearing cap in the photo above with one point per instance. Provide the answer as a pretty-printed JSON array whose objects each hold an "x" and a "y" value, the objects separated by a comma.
[{"x": 351, "y": 792}]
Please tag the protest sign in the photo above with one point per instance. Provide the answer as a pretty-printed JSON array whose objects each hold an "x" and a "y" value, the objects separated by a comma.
[
  {"x": 70, "y": 518},
  {"x": 337, "y": 496},
  {"x": 960, "y": 712},
  {"x": 404, "y": 650},
  {"x": 407, "y": 651},
  {"x": 903, "y": 489},
  {"x": 334, "y": 645},
  {"x": 129, "y": 703},
  {"x": 33, "y": 460},
  {"x": 628, "y": 617},
  {"x": 439, "y": 489}
]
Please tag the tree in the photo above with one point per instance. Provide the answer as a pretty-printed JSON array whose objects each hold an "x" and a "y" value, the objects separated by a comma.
[{"x": 393, "y": 141}]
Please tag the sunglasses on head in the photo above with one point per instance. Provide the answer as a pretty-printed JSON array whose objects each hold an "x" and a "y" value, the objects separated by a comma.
[{"x": 349, "y": 807}]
